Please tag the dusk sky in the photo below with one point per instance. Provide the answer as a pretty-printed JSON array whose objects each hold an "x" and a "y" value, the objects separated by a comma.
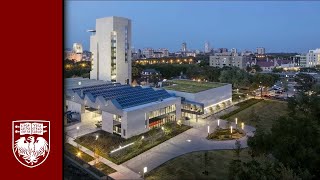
[{"x": 286, "y": 26}]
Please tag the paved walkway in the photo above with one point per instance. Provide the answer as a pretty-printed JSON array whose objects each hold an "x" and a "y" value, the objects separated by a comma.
[
  {"x": 191, "y": 140},
  {"x": 122, "y": 171}
]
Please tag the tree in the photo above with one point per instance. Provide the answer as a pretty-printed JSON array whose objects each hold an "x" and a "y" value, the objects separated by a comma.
[
  {"x": 257, "y": 68},
  {"x": 235, "y": 76},
  {"x": 304, "y": 81},
  {"x": 294, "y": 140},
  {"x": 237, "y": 149}
]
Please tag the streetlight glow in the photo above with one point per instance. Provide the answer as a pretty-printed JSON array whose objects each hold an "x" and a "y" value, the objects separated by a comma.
[
  {"x": 231, "y": 129},
  {"x": 97, "y": 136},
  {"x": 77, "y": 127},
  {"x": 218, "y": 122},
  {"x": 208, "y": 130},
  {"x": 236, "y": 121},
  {"x": 242, "y": 125}
]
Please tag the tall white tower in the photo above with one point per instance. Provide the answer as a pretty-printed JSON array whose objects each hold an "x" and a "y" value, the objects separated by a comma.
[
  {"x": 207, "y": 47},
  {"x": 184, "y": 47},
  {"x": 111, "y": 50}
]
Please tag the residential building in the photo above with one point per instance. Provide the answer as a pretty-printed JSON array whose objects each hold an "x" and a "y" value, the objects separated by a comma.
[
  {"x": 164, "y": 51},
  {"x": 166, "y": 60},
  {"x": 110, "y": 45},
  {"x": 222, "y": 50},
  {"x": 150, "y": 76},
  {"x": 222, "y": 61},
  {"x": 261, "y": 50},
  {"x": 234, "y": 51},
  {"x": 148, "y": 52},
  {"x": 313, "y": 58}
]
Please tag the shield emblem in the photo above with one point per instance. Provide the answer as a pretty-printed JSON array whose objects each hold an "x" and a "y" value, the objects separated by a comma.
[{"x": 31, "y": 141}]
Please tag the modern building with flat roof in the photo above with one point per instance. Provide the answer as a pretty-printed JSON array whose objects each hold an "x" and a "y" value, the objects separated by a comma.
[
  {"x": 200, "y": 98},
  {"x": 111, "y": 50},
  {"x": 228, "y": 60},
  {"x": 123, "y": 109}
]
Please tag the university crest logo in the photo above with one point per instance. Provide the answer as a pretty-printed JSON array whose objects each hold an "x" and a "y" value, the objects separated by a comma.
[{"x": 31, "y": 141}]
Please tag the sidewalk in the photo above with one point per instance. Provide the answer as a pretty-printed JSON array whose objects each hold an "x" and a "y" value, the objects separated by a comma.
[
  {"x": 189, "y": 141},
  {"x": 122, "y": 172}
]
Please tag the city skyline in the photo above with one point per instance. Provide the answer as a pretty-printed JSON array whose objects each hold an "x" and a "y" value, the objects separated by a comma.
[{"x": 241, "y": 25}]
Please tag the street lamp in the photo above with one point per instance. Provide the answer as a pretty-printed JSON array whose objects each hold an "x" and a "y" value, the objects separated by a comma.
[
  {"x": 236, "y": 121},
  {"x": 231, "y": 130},
  {"x": 242, "y": 125},
  {"x": 78, "y": 131},
  {"x": 261, "y": 89},
  {"x": 145, "y": 169},
  {"x": 218, "y": 122},
  {"x": 208, "y": 130},
  {"x": 96, "y": 149}
]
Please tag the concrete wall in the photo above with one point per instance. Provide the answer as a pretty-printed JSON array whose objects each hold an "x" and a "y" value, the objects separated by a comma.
[
  {"x": 74, "y": 107},
  {"x": 208, "y": 97},
  {"x": 107, "y": 122},
  {"x": 100, "y": 45},
  {"x": 133, "y": 120}
]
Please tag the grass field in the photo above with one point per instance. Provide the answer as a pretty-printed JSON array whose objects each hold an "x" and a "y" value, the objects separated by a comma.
[
  {"x": 265, "y": 111},
  {"x": 191, "y": 166},
  {"x": 191, "y": 86}
]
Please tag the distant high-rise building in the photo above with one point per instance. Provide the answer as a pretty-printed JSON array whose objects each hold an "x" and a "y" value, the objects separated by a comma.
[
  {"x": 77, "y": 48},
  {"x": 148, "y": 52},
  {"x": 234, "y": 51},
  {"x": 111, "y": 48},
  {"x": 261, "y": 50},
  {"x": 184, "y": 47},
  {"x": 207, "y": 47},
  {"x": 223, "y": 50},
  {"x": 165, "y": 52}
]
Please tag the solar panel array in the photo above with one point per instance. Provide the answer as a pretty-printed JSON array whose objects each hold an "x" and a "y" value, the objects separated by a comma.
[{"x": 125, "y": 95}]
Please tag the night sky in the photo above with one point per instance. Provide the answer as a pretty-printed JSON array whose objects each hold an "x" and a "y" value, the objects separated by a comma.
[{"x": 286, "y": 26}]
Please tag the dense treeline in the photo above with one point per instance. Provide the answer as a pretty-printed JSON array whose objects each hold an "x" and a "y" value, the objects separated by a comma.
[
  {"x": 77, "y": 69},
  {"x": 237, "y": 77},
  {"x": 290, "y": 150}
]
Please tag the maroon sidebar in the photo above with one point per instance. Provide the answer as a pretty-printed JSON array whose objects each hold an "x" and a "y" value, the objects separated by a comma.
[{"x": 31, "y": 89}]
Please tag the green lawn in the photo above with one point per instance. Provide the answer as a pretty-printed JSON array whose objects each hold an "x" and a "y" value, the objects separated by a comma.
[
  {"x": 73, "y": 150},
  {"x": 191, "y": 166},
  {"x": 191, "y": 86},
  {"x": 265, "y": 111},
  {"x": 108, "y": 142},
  {"x": 104, "y": 168},
  {"x": 242, "y": 105}
]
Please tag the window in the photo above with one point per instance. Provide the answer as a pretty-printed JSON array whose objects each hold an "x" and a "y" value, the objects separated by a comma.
[{"x": 124, "y": 132}]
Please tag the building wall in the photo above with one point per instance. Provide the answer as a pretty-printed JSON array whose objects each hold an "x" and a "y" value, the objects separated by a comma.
[
  {"x": 208, "y": 97},
  {"x": 133, "y": 121},
  {"x": 107, "y": 122},
  {"x": 100, "y": 45},
  {"x": 74, "y": 106},
  {"x": 313, "y": 58},
  {"x": 222, "y": 61}
]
